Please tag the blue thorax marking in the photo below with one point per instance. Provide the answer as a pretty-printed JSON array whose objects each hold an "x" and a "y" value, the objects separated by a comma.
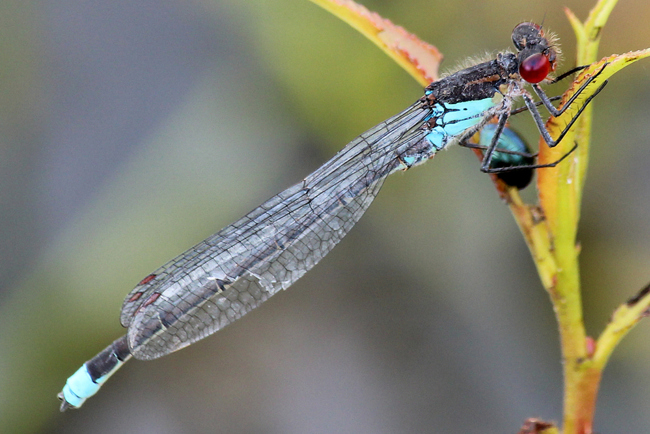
[{"x": 453, "y": 119}]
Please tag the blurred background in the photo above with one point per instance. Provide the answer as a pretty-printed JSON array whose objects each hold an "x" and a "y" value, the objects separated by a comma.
[{"x": 129, "y": 131}]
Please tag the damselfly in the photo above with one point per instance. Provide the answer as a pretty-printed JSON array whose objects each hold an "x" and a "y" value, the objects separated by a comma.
[{"x": 222, "y": 278}]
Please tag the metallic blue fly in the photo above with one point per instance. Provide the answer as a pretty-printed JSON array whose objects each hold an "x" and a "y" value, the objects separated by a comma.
[
  {"x": 518, "y": 156},
  {"x": 222, "y": 278}
]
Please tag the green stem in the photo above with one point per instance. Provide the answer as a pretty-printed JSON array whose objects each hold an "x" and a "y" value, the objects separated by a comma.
[{"x": 581, "y": 375}]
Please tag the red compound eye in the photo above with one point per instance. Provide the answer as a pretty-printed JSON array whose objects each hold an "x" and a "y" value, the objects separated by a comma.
[{"x": 535, "y": 68}]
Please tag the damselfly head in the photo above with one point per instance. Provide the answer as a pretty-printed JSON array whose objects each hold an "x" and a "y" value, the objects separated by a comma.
[
  {"x": 538, "y": 54},
  {"x": 526, "y": 35}
]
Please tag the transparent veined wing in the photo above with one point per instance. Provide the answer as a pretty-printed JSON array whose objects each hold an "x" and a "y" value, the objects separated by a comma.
[{"x": 232, "y": 272}]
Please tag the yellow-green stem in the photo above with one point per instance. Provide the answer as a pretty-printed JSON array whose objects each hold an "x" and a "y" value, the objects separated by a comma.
[{"x": 581, "y": 375}]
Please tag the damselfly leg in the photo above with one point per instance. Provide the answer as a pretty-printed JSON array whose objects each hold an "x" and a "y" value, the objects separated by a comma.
[
  {"x": 557, "y": 112},
  {"x": 531, "y": 106}
]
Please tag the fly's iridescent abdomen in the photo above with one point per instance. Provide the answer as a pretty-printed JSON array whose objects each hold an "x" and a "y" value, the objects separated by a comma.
[{"x": 520, "y": 156}]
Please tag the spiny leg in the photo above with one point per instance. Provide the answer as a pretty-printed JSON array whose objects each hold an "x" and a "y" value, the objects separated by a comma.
[
  {"x": 537, "y": 104},
  {"x": 551, "y": 98},
  {"x": 568, "y": 73},
  {"x": 540, "y": 123},
  {"x": 551, "y": 108},
  {"x": 487, "y": 157},
  {"x": 493, "y": 148},
  {"x": 533, "y": 166}
]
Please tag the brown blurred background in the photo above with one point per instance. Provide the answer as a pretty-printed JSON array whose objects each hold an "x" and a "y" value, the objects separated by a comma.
[{"x": 130, "y": 131}]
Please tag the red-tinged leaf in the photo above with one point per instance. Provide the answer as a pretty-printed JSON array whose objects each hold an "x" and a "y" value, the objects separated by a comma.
[{"x": 417, "y": 57}]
